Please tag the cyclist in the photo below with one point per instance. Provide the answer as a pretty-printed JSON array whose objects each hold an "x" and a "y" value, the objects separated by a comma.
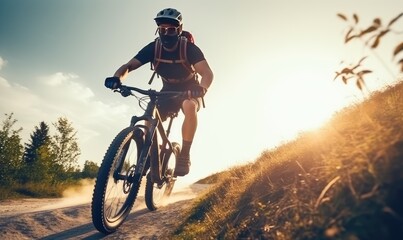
[{"x": 175, "y": 77}]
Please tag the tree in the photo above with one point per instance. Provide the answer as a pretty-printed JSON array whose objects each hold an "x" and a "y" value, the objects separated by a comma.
[
  {"x": 90, "y": 169},
  {"x": 38, "y": 158},
  {"x": 11, "y": 150},
  {"x": 39, "y": 137},
  {"x": 65, "y": 146}
]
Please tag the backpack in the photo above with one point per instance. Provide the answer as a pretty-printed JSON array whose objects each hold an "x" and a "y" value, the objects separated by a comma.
[{"x": 184, "y": 38}]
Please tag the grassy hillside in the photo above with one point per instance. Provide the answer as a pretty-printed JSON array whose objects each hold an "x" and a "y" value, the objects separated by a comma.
[{"x": 343, "y": 181}]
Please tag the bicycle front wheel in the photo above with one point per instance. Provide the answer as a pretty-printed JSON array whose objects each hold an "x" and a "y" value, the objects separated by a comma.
[
  {"x": 116, "y": 186},
  {"x": 157, "y": 193}
]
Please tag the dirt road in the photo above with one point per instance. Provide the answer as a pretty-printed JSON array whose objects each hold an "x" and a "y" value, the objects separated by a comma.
[{"x": 70, "y": 218}]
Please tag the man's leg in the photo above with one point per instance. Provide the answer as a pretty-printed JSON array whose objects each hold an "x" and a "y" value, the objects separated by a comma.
[{"x": 189, "y": 127}]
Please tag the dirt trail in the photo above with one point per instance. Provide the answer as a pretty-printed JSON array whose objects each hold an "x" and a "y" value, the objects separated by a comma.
[{"x": 69, "y": 218}]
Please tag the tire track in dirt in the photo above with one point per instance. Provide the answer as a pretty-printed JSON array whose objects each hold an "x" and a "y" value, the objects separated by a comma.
[{"x": 26, "y": 219}]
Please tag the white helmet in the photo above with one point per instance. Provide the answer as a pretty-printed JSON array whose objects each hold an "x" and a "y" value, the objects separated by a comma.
[{"x": 169, "y": 15}]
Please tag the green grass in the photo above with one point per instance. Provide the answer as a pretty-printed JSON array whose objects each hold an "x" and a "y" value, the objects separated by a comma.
[{"x": 342, "y": 181}]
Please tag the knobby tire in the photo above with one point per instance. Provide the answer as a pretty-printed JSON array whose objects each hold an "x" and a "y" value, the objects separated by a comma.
[
  {"x": 156, "y": 195},
  {"x": 100, "y": 210}
]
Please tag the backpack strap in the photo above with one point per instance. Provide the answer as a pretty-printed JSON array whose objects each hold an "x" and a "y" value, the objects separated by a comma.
[
  {"x": 182, "y": 57},
  {"x": 157, "y": 55}
]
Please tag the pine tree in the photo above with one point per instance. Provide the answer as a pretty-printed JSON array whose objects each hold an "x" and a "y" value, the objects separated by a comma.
[
  {"x": 38, "y": 158},
  {"x": 38, "y": 138}
]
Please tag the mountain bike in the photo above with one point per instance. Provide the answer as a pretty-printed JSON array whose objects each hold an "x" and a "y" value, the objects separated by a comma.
[{"x": 133, "y": 154}]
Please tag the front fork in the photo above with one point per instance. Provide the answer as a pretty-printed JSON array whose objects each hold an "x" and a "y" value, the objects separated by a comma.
[
  {"x": 130, "y": 175},
  {"x": 149, "y": 154},
  {"x": 143, "y": 136}
]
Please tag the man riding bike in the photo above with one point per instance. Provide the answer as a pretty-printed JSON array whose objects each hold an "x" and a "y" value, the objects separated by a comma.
[{"x": 176, "y": 76}]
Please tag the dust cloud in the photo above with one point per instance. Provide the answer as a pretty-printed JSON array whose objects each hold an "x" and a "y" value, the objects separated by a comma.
[
  {"x": 72, "y": 196},
  {"x": 82, "y": 194}
]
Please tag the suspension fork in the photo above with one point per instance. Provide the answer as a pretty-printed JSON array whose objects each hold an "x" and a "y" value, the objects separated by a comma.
[
  {"x": 148, "y": 148},
  {"x": 144, "y": 140},
  {"x": 166, "y": 148}
]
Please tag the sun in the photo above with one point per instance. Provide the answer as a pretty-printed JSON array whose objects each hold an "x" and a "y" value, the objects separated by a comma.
[{"x": 299, "y": 102}]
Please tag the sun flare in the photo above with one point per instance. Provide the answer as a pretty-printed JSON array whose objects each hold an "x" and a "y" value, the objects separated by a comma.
[{"x": 305, "y": 105}]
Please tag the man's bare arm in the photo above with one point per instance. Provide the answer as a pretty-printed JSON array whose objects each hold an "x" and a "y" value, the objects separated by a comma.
[
  {"x": 205, "y": 72},
  {"x": 124, "y": 70}
]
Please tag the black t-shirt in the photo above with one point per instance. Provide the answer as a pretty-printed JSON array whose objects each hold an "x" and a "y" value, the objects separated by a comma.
[{"x": 171, "y": 70}]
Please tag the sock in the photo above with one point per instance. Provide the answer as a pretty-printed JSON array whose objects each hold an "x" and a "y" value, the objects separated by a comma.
[{"x": 186, "y": 148}]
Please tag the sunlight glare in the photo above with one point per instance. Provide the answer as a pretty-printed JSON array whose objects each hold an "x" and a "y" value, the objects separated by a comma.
[{"x": 300, "y": 106}]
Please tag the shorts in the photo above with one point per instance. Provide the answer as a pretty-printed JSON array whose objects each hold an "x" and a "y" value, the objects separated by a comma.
[{"x": 169, "y": 106}]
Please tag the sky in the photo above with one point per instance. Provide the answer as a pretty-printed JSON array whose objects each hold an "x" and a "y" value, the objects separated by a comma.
[{"x": 274, "y": 62}]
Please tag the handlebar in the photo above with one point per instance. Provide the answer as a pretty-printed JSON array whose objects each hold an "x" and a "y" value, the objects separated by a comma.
[{"x": 126, "y": 91}]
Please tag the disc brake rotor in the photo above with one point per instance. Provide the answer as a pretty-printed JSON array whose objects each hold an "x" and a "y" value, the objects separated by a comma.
[{"x": 127, "y": 184}]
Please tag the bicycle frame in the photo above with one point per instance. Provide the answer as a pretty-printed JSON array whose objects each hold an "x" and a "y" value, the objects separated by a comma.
[
  {"x": 150, "y": 144},
  {"x": 132, "y": 154}
]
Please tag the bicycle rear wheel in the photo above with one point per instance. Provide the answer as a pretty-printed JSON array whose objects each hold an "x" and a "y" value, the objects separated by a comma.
[
  {"x": 157, "y": 193},
  {"x": 116, "y": 186}
]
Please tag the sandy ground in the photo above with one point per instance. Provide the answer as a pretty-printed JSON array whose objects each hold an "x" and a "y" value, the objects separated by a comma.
[{"x": 70, "y": 217}]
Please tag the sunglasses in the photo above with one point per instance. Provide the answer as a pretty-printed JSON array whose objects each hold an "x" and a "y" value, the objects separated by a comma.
[{"x": 167, "y": 30}]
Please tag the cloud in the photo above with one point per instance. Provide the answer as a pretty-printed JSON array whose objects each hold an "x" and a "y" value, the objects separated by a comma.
[
  {"x": 61, "y": 86},
  {"x": 15, "y": 97},
  {"x": 4, "y": 83},
  {"x": 64, "y": 95},
  {"x": 2, "y": 62},
  {"x": 59, "y": 78}
]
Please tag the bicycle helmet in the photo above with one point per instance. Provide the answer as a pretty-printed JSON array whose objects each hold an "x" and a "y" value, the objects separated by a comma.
[{"x": 169, "y": 15}]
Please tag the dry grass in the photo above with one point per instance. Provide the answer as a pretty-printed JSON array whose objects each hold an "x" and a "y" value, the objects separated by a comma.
[{"x": 343, "y": 181}]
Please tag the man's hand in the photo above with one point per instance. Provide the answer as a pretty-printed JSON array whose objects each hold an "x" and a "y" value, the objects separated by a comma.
[
  {"x": 197, "y": 91},
  {"x": 113, "y": 82}
]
